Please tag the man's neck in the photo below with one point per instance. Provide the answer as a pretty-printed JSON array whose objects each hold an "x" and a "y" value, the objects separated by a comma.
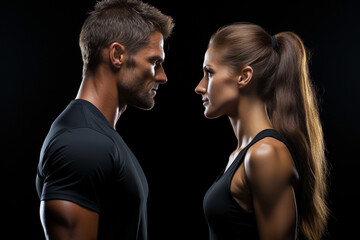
[{"x": 100, "y": 89}]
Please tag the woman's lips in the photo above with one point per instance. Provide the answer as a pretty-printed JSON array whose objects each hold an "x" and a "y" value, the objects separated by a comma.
[{"x": 205, "y": 101}]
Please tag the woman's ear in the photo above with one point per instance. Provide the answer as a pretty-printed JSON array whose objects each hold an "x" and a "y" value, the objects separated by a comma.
[
  {"x": 245, "y": 76},
  {"x": 116, "y": 55}
]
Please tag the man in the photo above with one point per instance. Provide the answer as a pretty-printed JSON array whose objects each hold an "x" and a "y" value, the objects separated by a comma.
[{"x": 90, "y": 184}]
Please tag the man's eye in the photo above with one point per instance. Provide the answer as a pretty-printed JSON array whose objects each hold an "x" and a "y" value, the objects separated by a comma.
[{"x": 157, "y": 64}]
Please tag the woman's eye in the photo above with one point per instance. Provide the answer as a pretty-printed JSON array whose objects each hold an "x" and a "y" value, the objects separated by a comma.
[{"x": 209, "y": 73}]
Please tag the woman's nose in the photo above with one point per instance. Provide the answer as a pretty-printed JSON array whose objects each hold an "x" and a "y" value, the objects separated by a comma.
[{"x": 200, "y": 89}]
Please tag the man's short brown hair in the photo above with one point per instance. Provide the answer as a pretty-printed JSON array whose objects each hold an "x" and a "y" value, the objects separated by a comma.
[{"x": 128, "y": 22}]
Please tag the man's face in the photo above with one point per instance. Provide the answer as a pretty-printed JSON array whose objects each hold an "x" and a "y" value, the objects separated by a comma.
[{"x": 143, "y": 73}]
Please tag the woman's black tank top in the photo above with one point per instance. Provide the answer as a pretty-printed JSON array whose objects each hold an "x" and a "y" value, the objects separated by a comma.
[{"x": 225, "y": 218}]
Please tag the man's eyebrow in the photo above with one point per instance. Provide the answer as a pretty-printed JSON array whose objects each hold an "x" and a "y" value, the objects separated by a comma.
[{"x": 156, "y": 59}]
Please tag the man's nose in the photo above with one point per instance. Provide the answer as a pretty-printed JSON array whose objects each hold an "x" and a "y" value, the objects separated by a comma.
[{"x": 160, "y": 75}]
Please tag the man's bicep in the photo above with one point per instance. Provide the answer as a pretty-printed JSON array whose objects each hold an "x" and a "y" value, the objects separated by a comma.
[{"x": 67, "y": 220}]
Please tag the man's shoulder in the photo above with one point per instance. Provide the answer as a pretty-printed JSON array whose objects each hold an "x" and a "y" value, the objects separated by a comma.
[
  {"x": 78, "y": 125},
  {"x": 86, "y": 139},
  {"x": 81, "y": 149}
]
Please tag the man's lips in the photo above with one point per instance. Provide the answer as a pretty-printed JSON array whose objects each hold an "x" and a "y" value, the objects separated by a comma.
[
  {"x": 155, "y": 88},
  {"x": 153, "y": 91}
]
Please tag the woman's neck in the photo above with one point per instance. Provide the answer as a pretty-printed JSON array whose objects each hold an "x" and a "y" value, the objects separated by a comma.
[{"x": 250, "y": 118}]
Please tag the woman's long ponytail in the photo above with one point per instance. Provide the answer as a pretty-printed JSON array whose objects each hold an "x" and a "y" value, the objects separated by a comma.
[{"x": 294, "y": 113}]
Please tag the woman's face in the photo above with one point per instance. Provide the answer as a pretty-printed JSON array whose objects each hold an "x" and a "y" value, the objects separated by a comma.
[{"x": 219, "y": 87}]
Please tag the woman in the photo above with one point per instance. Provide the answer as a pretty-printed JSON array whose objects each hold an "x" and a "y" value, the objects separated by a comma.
[{"x": 274, "y": 185}]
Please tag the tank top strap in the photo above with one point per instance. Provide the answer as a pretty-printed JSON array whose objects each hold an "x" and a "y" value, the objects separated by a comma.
[
  {"x": 263, "y": 134},
  {"x": 275, "y": 134}
]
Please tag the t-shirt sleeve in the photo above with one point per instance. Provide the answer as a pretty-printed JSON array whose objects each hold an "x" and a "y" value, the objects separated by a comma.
[{"x": 77, "y": 166}]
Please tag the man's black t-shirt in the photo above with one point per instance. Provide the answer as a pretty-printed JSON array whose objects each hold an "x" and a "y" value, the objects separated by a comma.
[{"x": 85, "y": 161}]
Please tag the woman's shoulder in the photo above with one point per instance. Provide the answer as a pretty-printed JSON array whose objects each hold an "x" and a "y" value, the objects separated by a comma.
[{"x": 269, "y": 160}]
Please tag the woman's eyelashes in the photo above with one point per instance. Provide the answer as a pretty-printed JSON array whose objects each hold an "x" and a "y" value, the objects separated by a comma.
[{"x": 209, "y": 72}]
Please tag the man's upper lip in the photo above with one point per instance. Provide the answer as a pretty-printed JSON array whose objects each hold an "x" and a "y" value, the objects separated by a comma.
[{"x": 205, "y": 99}]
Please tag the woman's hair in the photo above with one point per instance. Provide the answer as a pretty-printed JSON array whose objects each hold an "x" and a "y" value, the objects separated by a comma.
[
  {"x": 281, "y": 80},
  {"x": 129, "y": 22}
]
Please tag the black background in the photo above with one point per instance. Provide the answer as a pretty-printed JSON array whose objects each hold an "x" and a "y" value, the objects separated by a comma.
[{"x": 181, "y": 152}]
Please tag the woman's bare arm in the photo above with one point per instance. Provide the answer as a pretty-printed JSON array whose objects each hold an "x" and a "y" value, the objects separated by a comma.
[{"x": 270, "y": 170}]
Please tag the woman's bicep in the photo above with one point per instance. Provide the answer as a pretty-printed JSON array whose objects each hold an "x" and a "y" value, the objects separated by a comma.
[
  {"x": 276, "y": 218},
  {"x": 67, "y": 220}
]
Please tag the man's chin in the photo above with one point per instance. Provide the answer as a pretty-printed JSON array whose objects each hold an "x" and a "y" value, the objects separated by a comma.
[
  {"x": 144, "y": 108},
  {"x": 148, "y": 105}
]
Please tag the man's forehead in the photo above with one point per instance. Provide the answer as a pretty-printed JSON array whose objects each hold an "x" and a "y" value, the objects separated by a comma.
[
  {"x": 155, "y": 47},
  {"x": 156, "y": 40}
]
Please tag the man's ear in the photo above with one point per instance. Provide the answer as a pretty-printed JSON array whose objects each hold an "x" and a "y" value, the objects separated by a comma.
[
  {"x": 245, "y": 76},
  {"x": 117, "y": 54}
]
